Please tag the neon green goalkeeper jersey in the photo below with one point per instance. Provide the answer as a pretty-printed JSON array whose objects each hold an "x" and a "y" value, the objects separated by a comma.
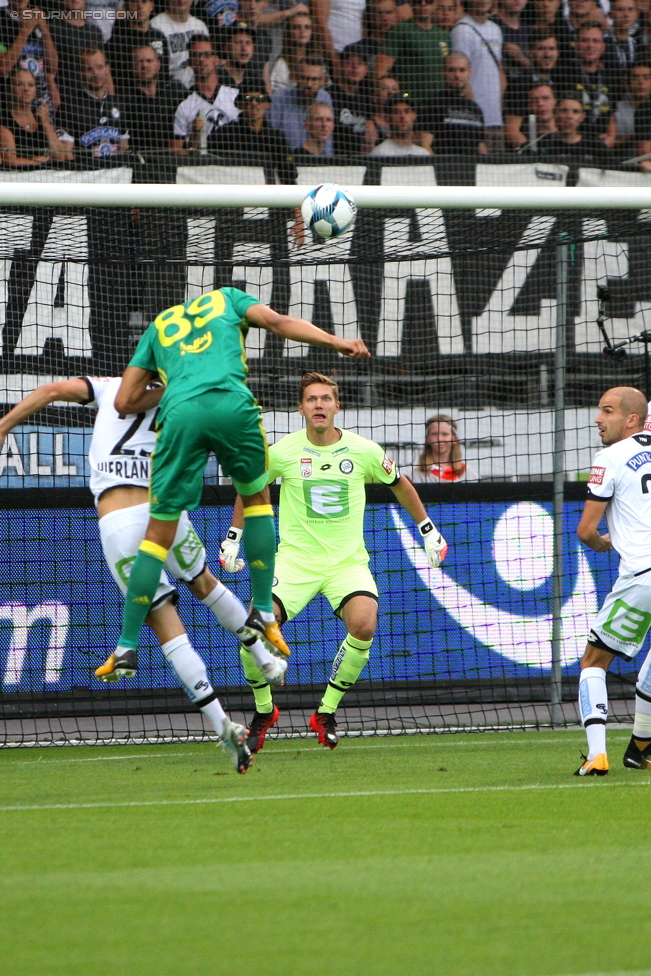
[
  {"x": 198, "y": 346},
  {"x": 322, "y": 497}
]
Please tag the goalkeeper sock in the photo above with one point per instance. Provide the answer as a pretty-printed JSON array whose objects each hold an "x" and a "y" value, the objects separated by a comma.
[
  {"x": 143, "y": 583},
  {"x": 191, "y": 672},
  {"x": 259, "y": 540},
  {"x": 346, "y": 669},
  {"x": 593, "y": 705},
  {"x": 255, "y": 680},
  {"x": 231, "y": 614}
]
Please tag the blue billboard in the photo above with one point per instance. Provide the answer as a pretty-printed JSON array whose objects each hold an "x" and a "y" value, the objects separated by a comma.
[{"x": 486, "y": 614}]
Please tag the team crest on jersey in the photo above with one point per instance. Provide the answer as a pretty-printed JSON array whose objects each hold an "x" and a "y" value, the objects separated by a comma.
[
  {"x": 306, "y": 467},
  {"x": 346, "y": 466},
  {"x": 596, "y": 475},
  {"x": 388, "y": 464}
]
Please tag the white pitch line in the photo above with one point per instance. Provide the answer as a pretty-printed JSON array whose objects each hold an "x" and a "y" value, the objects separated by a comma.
[
  {"x": 620, "y": 972},
  {"x": 138, "y": 755},
  {"x": 320, "y": 796},
  {"x": 426, "y": 741}
]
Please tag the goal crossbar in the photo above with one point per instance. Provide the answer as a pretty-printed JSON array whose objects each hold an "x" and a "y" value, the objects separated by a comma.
[{"x": 168, "y": 195}]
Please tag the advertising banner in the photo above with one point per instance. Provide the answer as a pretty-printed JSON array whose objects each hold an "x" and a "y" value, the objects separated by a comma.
[{"x": 485, "y": 615}]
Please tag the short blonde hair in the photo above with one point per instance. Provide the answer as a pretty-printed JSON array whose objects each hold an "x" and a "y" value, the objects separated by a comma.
[{"x": 310, "y": 378}]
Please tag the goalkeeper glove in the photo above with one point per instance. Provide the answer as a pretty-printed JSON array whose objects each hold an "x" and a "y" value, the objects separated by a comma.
[
  {"x": 436, "y": 548},
  {"x": 229, "y": 549}
]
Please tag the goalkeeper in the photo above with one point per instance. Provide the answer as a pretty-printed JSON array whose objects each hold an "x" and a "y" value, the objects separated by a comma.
[
  {"x": 198, "y": 350},
  {"x": 322, "y": 500}
]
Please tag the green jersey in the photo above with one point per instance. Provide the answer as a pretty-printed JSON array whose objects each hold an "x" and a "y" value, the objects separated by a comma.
[
  {"x": 322, "y": 497},
  {"x": 198, "y": 346},
  {"x": 419, "y": 55}
]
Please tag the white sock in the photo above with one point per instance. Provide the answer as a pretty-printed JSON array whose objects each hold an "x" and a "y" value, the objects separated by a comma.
[
  {"x": 229, "y": 611},
  {"x": 191, "y": 672},
  {"x": 642, "y": 724},
  {"x": 216, "y": 715},
  {"x": 593, "y": 705},
  {"x": 231, "y": 614},
  {"x": 596, "y": 736}
]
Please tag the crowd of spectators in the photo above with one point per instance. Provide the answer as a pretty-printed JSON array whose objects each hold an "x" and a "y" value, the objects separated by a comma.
[{"x": 325, "y": 78}]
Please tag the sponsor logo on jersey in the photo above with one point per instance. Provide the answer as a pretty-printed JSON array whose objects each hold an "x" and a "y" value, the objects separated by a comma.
[
  {"x": 306, "y": 467},
  {"x": 388, "y": 464},
  {"x": 644, "y": 457},
  {"x": 325, "y": 467},
  {"x": 340, "y": 450},
  {"x": 310, "y": 450},
  {"x": 326, "y": 500},
  {"x": 200, "y": 344},
  {"x": 346, "y": 466},
  {"x": 596, "y": 475}
]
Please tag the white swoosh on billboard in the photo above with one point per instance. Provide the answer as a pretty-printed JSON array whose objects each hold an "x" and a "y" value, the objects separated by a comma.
[{"x": 523, "y": 639}]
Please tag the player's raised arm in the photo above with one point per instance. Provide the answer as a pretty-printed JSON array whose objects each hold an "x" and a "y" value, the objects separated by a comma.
[
  {"x": 436, "y": 548},
  {"x": 133, "y": 395},
  {"x": 290, "y": 327},
  {"x": 70, "y": 391}
]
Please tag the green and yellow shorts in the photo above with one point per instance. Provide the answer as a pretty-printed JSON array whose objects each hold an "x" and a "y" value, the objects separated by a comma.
[{"x": 224, "y": 421}]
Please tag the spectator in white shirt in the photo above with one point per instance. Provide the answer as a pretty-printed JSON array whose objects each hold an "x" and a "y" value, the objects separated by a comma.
[
  {"x": 481, "y": 41},
  {"x": 179, "y": 27},
  {"x": 402, "y": 119},
  {"x": 441, "y": 460},
  {"x": 209, "y": 103}
]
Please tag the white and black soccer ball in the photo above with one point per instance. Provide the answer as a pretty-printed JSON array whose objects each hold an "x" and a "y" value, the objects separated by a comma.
[{"x": 328, "y": 210}]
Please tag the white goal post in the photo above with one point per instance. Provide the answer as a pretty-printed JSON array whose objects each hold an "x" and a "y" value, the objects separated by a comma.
[{"x": 24, "y": 194}]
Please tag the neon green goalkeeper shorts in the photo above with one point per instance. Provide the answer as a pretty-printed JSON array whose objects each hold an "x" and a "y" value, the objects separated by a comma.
[
  {"x": 224, "y": 421},
  {"x": 294, "y": 586}
]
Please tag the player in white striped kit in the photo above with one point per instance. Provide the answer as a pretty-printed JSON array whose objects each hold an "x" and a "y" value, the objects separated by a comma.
[
  {"x": 119, "y": 464},
  {"x": 619, "y": 488}
]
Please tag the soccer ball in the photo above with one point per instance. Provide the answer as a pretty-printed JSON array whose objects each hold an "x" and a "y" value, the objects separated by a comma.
[{"x": 328, "y": 210}]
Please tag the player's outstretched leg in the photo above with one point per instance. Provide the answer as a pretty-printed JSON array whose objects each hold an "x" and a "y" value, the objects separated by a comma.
[
  {"x": 266, "y": 713},
  {"x": 593, "y": 707},
  {"x": 232, "y": 615},
  {"x": 638, "y": 751},
  {"x": 349, "y": 663},
  {"x": 143, "y": 583},
  {"x": 360, "y": 616},
  {"x": 192, "y": 674},
  {"x": 259, "y": 540}
]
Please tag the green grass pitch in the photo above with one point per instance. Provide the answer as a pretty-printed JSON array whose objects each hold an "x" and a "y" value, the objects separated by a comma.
[{"x": 455, "y": 855}]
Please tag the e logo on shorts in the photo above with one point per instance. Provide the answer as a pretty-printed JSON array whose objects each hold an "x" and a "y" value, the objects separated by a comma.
[
  {"x": 627, "y": 623},
  {"x": 329, "y": 499}
]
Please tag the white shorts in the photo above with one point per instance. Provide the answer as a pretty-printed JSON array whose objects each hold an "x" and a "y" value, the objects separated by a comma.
[
  {"x": 624, "y": 620},
  {"x": 122, "y": 532}
]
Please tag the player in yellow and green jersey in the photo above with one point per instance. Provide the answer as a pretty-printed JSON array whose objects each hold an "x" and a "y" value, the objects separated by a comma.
[
  {"x": 198, "y": 350},
  {"x": 323, "y": 472}
]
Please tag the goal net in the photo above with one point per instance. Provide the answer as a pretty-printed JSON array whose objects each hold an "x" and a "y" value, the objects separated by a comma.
[{"x": 467, "y": 320}]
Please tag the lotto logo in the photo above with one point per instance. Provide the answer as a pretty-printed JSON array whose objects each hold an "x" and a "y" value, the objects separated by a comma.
[
  {"x": 596, "y": 475},
  {"x": 627, "y": 623}
]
